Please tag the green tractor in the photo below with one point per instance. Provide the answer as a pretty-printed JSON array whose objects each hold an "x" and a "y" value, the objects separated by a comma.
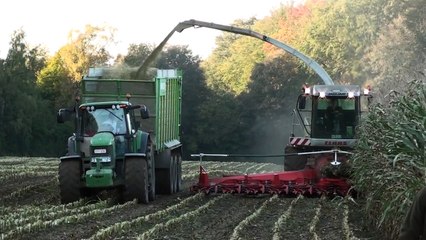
[{"x": 117, "y": 143}]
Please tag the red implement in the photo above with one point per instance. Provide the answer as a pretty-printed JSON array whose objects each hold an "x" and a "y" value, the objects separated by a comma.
[{"x": 306, "y": 182}]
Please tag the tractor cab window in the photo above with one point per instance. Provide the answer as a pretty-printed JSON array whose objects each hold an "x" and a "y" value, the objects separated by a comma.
[
  {"x": 104, "y": 120},
  {"x": 334, "y": 117}
]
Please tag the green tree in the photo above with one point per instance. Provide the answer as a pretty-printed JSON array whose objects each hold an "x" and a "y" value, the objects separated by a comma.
[
  {"x": 269, "y": 102},
  {"x": 398, "y": 55},
  {"x": 194, "y": 92},
  {"x": 340, "y": 33},
  {"x": 136, "y": 55},
  {"x": 229, "y": 66},
  {"x": 23, "y": 123}
]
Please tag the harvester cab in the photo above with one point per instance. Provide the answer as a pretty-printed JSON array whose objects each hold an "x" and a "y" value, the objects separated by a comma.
[
  {"x": 325, "y": 118},
  {"x": 116, "y": 143}
]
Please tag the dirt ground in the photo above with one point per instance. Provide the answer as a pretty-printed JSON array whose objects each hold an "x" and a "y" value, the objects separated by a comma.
[{"x": 30, "y": 209}]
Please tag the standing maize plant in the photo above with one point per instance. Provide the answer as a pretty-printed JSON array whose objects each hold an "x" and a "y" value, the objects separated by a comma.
[{"x": 390, "y": 157}]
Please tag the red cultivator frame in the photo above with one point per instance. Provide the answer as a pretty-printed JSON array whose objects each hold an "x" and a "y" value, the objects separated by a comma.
[{"x": 308, "y": 181}]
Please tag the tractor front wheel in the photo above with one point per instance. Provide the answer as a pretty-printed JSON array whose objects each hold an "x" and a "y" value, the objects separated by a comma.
[
  {"x": 69, "y": 181},
  {"x": 136, "y": 180}
]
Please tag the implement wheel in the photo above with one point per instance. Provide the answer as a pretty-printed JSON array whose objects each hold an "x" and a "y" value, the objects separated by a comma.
[
  {"x": 69, "y": 181},
  {"x": 136, "y": 180},
  {"x": 294, "y": 163}
]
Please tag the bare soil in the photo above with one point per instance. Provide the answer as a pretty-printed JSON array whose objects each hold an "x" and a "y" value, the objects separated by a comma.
[{"x": 217, "y": 221}]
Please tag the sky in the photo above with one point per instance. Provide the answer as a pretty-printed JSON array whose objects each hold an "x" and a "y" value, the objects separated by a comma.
[{"x": 48, "y": 22}]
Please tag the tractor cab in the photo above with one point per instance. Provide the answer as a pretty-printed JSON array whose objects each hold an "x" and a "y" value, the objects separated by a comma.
[{"x": 109, "y": 122}]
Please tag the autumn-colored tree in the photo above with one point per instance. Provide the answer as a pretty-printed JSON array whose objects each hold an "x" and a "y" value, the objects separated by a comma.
[
  {"x": 229, "y": 67},
  {"x": 59, "y": 80}
]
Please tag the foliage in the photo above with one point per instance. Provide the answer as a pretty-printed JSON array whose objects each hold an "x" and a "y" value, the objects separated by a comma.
[
  {"x": 390, "y": 157},
  {"x": 398, "y": 55},
  {"x": 22, "y": 110},
  {"x": 194, "y": 92},
  {"x": 340, "y": 33},
  {"x": 136, "y": 55},
  {"x": 86, "y": 49},
  {"x": 59, "y": 79},
  {"x": 229, "y": 67}
]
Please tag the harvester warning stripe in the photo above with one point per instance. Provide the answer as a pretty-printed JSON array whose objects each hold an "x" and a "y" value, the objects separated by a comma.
[{"x": 300, "y": 141}]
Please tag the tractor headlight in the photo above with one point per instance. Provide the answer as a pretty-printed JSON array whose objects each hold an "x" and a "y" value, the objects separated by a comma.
[{"x": 103, "y": 159}]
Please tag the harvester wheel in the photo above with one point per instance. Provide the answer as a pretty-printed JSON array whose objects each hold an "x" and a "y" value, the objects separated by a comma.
[
  {"x": 294, "y": 163},
  {"x": 151, "y": 172},
  {"x": 136, "y": 180},
  {"x": 179, "y": 172},
  {"x": 69, "y": 181}
]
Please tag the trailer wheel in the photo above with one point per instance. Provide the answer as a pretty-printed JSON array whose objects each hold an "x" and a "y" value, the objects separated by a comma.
[
  {"x": 179, "y": 172},
  {"x": 136, "y": 180},
  {"x": 151, "y": 172},
  {"x": 174, "y": 173},
  {"x": 294, "y": 163},
  {"x": 69, "y": 181},
  {"x": 166, "y": 178}
]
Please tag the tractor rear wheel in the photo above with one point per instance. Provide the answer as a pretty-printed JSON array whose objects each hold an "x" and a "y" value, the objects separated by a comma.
[
  {"x": 294, "y": 163},
  {"x": 136, "y": 180},
  {"x": 69, "y": 181}
]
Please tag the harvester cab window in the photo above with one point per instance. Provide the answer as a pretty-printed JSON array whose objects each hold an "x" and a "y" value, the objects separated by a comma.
[{"x": 334, "y": 118}]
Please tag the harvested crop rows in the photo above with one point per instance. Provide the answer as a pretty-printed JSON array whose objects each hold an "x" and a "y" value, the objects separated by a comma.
[{"x": 30, "y": 209}]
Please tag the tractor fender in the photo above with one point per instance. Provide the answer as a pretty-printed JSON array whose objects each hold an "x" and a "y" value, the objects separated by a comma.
[
  {"x": 141, "y": 152},
  {"x": 138, "y": 155},
  {"x": 144, "y": 139},
  {"x": 70, "y": 158}
]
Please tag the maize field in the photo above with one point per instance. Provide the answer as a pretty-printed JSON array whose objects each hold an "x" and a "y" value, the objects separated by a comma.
[{"x": 30, "y": 209}]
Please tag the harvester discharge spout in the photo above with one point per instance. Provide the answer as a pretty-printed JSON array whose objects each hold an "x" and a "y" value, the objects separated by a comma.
[
  {"x": 242, "y": 31},
  {"x": 247, "y": 32}
]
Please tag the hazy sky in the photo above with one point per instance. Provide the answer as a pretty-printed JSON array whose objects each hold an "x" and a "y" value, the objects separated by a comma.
[{"x": 48, "y": 22}]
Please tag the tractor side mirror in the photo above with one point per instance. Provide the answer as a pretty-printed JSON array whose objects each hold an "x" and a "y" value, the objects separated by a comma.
[
  {"x": 302, "y": 102},
  {"x": 144, "y": 112},
  {"x": 63, "y": 115}
]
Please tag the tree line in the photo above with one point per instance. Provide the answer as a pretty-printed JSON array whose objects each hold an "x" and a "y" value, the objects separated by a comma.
[{"x": 239, "y": 99}]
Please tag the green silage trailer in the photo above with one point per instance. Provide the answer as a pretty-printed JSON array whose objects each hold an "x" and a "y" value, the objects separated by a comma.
[{"x": 127, "y": 136}]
